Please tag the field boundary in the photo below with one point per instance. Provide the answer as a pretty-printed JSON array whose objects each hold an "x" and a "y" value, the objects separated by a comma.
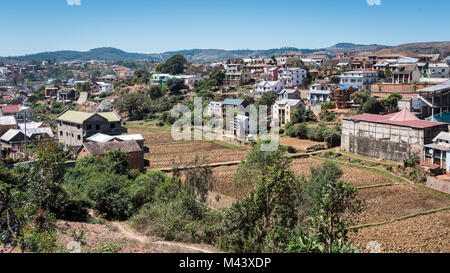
[{"x": 399, "y": 219}]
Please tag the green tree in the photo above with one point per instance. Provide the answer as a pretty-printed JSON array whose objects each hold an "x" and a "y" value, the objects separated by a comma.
[
  {"x": 174, "y": 65},
  {"x": 156, "y": 91},
  {"x": 262, "y": 221},
  {"x": 175, "y": 85},
  {"x": 333, "y": 207}
]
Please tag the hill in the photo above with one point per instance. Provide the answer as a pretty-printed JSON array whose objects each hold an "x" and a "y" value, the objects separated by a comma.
[
  {"x": 210, "y": 55},
  {"x": 442, "y": 48}
]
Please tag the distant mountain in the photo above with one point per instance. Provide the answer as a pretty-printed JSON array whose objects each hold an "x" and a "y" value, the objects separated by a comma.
[
  {"x": 355, "y": 47},
  {"x": 420, "y": 48},
  {"x": 209, "y": 55},
  {"x": 104, "y": 53}
]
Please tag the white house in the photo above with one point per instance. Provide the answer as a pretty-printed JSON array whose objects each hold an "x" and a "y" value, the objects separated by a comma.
[
  {"x": 312, "y": 63},
  {"x": 292, "y": 76},
  {"x": 440, "y": 70},
  {"x": 319, "y": 93},
  {"x": 3, "y": 70},
  {"x": 363, "y": 79},
  {"x": 268, "y": 86},
  {"x": 282, "y": 110},
  {"x": 215, "y": 108},
  {"x": 105, "y": 87}
]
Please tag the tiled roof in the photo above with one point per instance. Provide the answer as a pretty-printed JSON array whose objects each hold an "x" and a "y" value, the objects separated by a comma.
[{"x": 394, "y": 119}]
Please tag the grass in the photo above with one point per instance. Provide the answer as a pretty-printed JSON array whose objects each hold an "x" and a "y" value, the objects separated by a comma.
[{"x": 229, "y": 145}]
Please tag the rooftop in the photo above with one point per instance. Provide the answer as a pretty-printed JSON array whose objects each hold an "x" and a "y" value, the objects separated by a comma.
[
  {"x": 95, "y": 149},
  {"x": 80, "y": 117},
  {"x": 404, "y": 118}
]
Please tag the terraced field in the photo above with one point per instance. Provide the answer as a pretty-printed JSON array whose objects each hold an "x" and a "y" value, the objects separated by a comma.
[{"x": 164, "y": 151}]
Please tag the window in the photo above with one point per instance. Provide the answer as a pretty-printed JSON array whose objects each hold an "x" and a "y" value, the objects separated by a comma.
[
  {"x": 79, "y": 137},
  {"x": 61, "y": 133},
  {"x": 112, "y": 125},
  {"x": 89, "y": 127},
  {"x": 97, "y": 127},
  {"x": 78, "y": 127}
]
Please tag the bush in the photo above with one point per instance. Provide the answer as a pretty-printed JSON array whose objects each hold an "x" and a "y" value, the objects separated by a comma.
[{"x": 291, "y": 150}]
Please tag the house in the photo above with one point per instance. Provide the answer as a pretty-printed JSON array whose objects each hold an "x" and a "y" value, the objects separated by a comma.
[
  {"x": 439, "y": 70},
  {"x": 215, "y": 109},
  {"x": 7, "y": 123},
  {"x": 436, "y": 101},
  {"x": 75, "y": 127},
  {"x": 19, "y": 111},
  {"x": 51, "y": 92},
  {"x": 311, "y": 63},
  {"x": 14, "y": 140},
  {"x": 405, "y": 74},
  {"x": 106, "y": 78},
  {"x": 131, "y": 148},
  {"x": 3, "y": 70},
  {"x": 361, "y": 78},
  {"x": 102, "y": 138},
  {"x": 285, "y": 57},
  {"x": 292, "y": 94},
  {"x": 105, "y": 87},
  {"x": 65, "y": 95},
  {"x": 292, "y": 77},
  {"x": 126, "y": 74},
  {"x": 236, "y": 75},
  {"x": 282, "y": 109},
  {"x": 341, "y": 95},
  {"x": 396, "y": 137},
  {"x": 438, "y": 152},
  {"x": 320, "y": 92},
  {"x": 159, "y": 79},
  {"x": 268, "y": 86}
]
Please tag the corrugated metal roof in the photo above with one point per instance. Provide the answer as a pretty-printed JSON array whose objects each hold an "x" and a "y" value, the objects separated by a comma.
[
  {"x": 8, "y": 120},
  {"x": 233, "y": 101}
]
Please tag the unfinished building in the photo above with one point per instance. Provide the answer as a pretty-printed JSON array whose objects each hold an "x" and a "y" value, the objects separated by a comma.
[{"x": 393, "y": 137}]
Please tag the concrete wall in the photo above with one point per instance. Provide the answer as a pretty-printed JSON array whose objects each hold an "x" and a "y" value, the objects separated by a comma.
[
  {"x": 437, "y": 184},
  {"x": 384, "y": 141}
]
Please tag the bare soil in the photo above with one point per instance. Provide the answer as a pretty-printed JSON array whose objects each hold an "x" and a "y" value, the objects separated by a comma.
[
  {"x": 388, "y": 203},
  {"x": 421, "y": 234}
]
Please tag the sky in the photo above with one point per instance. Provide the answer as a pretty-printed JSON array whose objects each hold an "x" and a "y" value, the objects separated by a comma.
[{"x": 153, "y": 26}]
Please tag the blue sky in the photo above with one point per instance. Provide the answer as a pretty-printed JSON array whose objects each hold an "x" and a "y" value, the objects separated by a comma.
[{"x": 151, "y": 26}]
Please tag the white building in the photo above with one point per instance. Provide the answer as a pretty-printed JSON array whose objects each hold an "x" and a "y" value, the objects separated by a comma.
[
  {"x": 282, "y": 110},
  {"x": 319, "y": 93},
  {"x": 282, "y": 60},
  {"x": 215, "y": 109},
  {"x": 189, "y": 80},
  {"x": 105, "y": 87},
  {"x": 361, "y": 78},
  {"x": 312, "y": 63},
  {"x": 292, "y": 77},
  {"x": 3, "y": 70},
  {"x": 440, "y": 70},
  {"x": 268, "y": 86}
]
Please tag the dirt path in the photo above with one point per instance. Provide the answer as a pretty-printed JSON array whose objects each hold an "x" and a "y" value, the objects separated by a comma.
[{"x": 161, "y": 246}]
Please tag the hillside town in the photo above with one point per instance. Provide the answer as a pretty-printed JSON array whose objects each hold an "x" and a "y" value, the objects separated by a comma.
[{"x": 237, "y": 136}]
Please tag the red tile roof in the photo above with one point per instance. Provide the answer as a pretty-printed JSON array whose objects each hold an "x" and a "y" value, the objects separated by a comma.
[
  {"x": 11, "y": 108},
  {"x": 399, "y": 119}
]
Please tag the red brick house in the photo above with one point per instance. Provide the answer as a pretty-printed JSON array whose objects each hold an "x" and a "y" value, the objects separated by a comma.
[{"x": 132, "y": 148}]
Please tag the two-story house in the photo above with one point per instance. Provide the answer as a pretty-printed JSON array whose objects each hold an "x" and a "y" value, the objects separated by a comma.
[{"x": 75, "y": 127}]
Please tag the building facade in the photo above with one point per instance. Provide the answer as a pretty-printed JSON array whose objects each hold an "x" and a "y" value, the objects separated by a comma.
[{"x": 75, "y": 127}]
